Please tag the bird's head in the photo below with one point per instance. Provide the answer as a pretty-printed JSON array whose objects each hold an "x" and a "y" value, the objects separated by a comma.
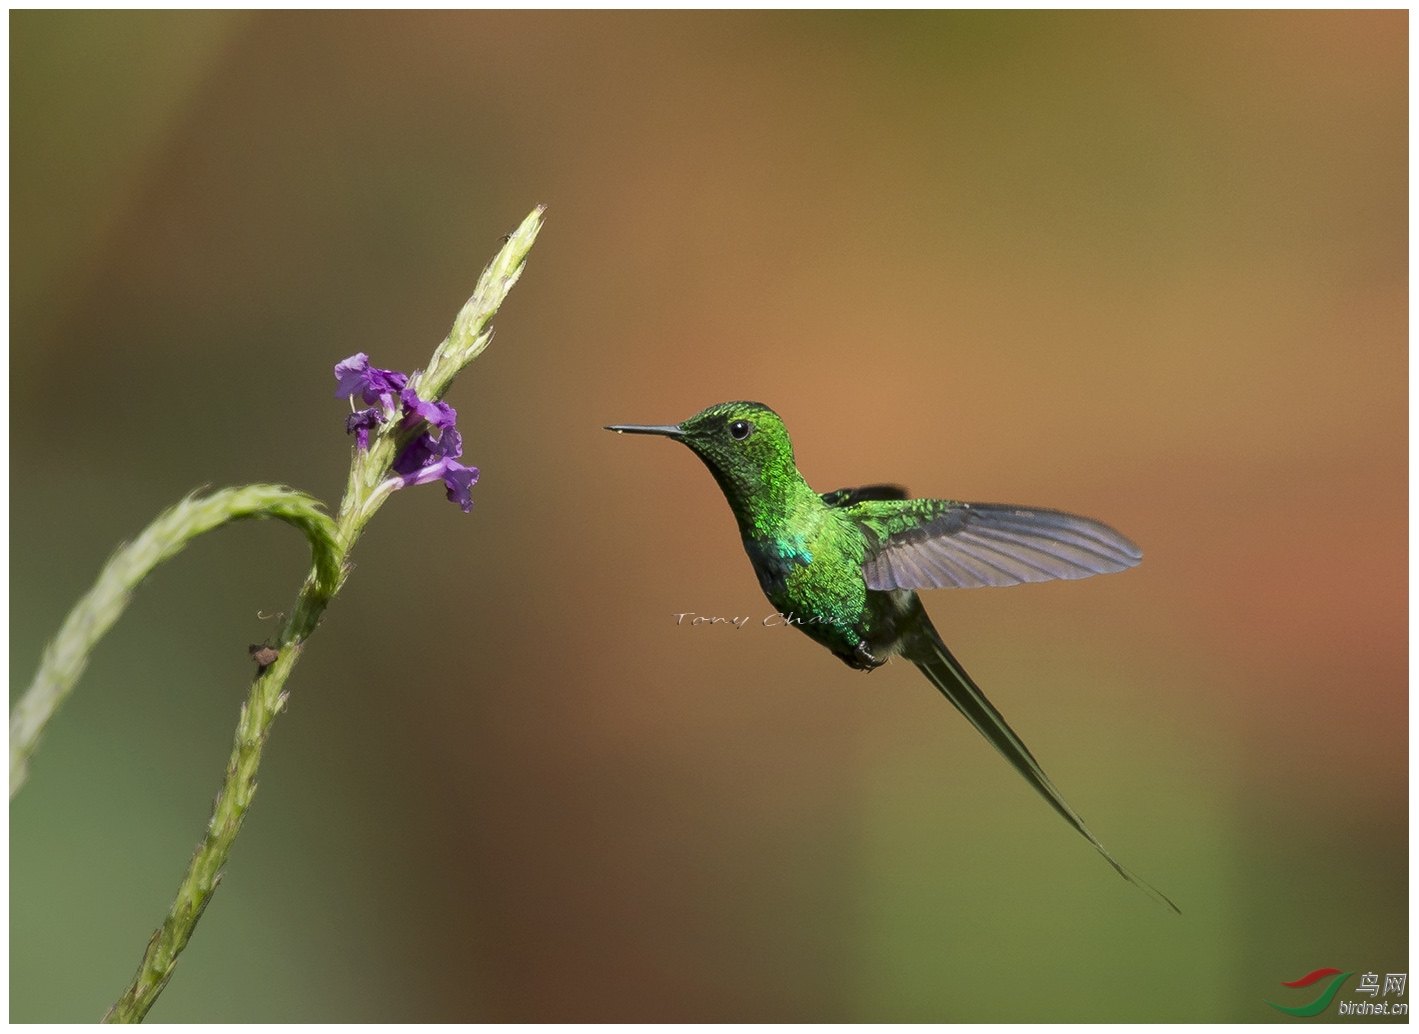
[{"x": 744, "y": 444}]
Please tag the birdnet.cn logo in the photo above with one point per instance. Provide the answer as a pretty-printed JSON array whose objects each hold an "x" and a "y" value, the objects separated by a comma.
[{"x": 1383, "y": 998}]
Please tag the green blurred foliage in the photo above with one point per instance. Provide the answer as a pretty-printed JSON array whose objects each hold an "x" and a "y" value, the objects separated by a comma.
[{"x": 1150, "y": 267}]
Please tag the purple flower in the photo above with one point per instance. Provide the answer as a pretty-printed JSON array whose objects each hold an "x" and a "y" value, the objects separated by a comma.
[
  {"x": 373, "y": 385},
  {"x": 457, "y": 479},
  {"x": 433, "y": 454},
  {"x": 442, "y": 440},
  {"x": 359, "y": 423},
  {"x": 417, "y": 455},
  {"x": 439, "y": 414},
  {"x": 427, "y": 449}
]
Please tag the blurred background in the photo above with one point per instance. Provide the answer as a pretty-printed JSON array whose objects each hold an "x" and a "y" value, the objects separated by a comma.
[{"x": 1146, "y": 267}]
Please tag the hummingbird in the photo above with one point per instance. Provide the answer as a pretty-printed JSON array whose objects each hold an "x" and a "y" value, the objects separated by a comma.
[{"x": 844, "y": 566}]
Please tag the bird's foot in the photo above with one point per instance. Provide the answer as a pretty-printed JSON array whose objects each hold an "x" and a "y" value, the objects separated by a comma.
[{"x": 863, "y": 659}]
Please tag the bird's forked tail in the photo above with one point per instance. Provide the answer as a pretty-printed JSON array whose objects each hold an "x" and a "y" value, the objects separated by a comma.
[{"x": 924, "y": 648}]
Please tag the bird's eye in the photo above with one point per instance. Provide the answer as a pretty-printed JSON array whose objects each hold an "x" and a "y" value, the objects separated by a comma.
[{"x": 740, "y": 429}]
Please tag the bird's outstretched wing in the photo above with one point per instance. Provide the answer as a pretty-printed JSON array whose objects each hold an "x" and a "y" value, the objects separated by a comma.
[
  {"x": 851, "y": 496},
  {"x": 936, "y": 544}
]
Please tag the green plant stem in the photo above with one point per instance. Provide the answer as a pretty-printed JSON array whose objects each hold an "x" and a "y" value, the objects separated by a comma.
[
  {"x": 368, "y": 486},
  {"x": 67, "y": 654},
  {"x": 263, "y": 703}
]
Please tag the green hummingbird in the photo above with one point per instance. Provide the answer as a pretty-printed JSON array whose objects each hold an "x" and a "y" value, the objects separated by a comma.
[{"x": 844, "y": 566}]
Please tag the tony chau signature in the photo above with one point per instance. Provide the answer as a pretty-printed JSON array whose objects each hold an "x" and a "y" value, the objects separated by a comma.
[{"x": 774, "y": 620}]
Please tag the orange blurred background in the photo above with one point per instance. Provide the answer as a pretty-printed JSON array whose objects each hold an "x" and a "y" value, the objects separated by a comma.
[{"x": 1148, "y": 267}]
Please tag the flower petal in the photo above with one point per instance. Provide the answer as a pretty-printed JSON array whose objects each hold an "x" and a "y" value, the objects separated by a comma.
[
  {"x": 417, "y": 456},
  {"x": 438, "y": 414},
  {"x": 450, "y": 444},
  {"x": 458, "y": 480},
  {"x": 353, "y": 375}
]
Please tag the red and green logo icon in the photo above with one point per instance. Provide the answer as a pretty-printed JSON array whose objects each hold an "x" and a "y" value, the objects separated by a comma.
[{"x": 1325, "y": 998}]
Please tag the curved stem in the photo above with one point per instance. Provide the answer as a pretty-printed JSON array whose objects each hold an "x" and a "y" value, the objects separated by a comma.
[{"x": 67, "y": 654}]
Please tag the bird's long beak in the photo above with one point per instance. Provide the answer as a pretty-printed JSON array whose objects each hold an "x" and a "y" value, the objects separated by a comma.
[{"x": 668, "y": 430}]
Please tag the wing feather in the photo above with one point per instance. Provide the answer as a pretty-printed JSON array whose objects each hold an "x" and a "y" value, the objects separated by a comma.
[{"x": 938, "y": 545}]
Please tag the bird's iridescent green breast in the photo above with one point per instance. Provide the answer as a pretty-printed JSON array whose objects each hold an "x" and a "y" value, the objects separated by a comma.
[{"x": 812, "y": 569}]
